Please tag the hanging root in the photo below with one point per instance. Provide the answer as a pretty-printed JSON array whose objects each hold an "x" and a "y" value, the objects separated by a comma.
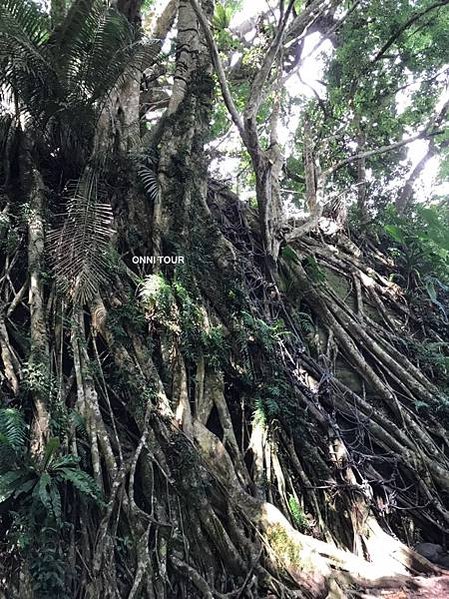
[{"x": 233, "y": 461}]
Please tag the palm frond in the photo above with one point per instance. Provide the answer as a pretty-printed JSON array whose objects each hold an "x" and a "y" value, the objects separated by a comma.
[
  {"x": 6, "y": 130},
  {"x": 149, "y": 181},
  {"x": 103, "y": 61},
  {"x": 90, "y": 29},
  {"x": 24, "y": 65},
  {"x": 27, "y": 74},
  {"x": 24, "y": 19},
  {"x": 61, "y": 80},
  {"x": 116, "y": 57},
  {"x": 146, "y": 169},
  {"x": 96, "y": 47},
  {"x": 74, "y": 29},
  {"x": 79, "y": 247}
]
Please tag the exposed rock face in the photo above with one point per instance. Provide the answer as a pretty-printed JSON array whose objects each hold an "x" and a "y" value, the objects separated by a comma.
[{"x": 434, "y": 553}]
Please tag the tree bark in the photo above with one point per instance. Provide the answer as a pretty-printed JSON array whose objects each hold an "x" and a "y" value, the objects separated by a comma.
[{"x": 39, "y": 361}]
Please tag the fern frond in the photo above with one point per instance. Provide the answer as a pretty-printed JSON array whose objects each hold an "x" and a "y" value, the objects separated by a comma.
[
  {"x": 12, "y": 440},
  {"x": 79, "y": 422},
  {"x": 145, "y": 164},
  {"x": 82, "y": 482},
  {"x": 12, "y": 429},
  {"x": 78, "y": 249}
]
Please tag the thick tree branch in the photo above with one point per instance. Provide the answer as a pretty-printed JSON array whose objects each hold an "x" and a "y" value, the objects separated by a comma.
[
  {"x": 406, "y": 25},
  {"x": 382, "y": 150},
  {"x": 309, "y": 14},
  {"x": 407, "y": 191},
  {"x": 165, "y": 20},
  {"x": 255, "y": 96},
  {"x": 267, "y": 163},
  {"x": 218, "y": 66}
]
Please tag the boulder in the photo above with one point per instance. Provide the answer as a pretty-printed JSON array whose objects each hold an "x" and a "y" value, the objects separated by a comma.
[{"x": 434, "y": 553}]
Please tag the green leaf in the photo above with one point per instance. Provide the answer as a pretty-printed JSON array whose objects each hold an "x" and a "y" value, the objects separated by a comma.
[
  {"x": 50, "y": 449},
  {"x": 222, "y": 16},
  {"x": 430, "y": 288},
  {"x": 42, "y": 490},
  {"x": 84, "y": 483},
  {"x": 395, "y": 232},
  {"x": 11, "y": 482},
  {"x": 66, "y": 461},
  {"x": 55, "y": 499}
]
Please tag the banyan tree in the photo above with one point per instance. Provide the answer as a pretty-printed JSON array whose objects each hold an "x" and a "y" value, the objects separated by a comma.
[{"x": 224, "y": 301}]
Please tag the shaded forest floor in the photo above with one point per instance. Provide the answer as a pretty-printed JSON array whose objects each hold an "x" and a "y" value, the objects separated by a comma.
[{"x": 424, "y": 588}]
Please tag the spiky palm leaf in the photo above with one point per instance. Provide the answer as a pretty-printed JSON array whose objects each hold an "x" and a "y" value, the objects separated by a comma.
[
  {"x": 24, "y": 67},
  {"x": 24, "y": 18},
  {"x": 6, "y": 131},
  {"x": 88, "y": 47},
  {"x": 149, "y": 180},
  {"x": 146, "y": 168},
  {"x": 78, "y": 247},
  {"x": 54, "y": 75},
  {"x": 105, "y": 53}
]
